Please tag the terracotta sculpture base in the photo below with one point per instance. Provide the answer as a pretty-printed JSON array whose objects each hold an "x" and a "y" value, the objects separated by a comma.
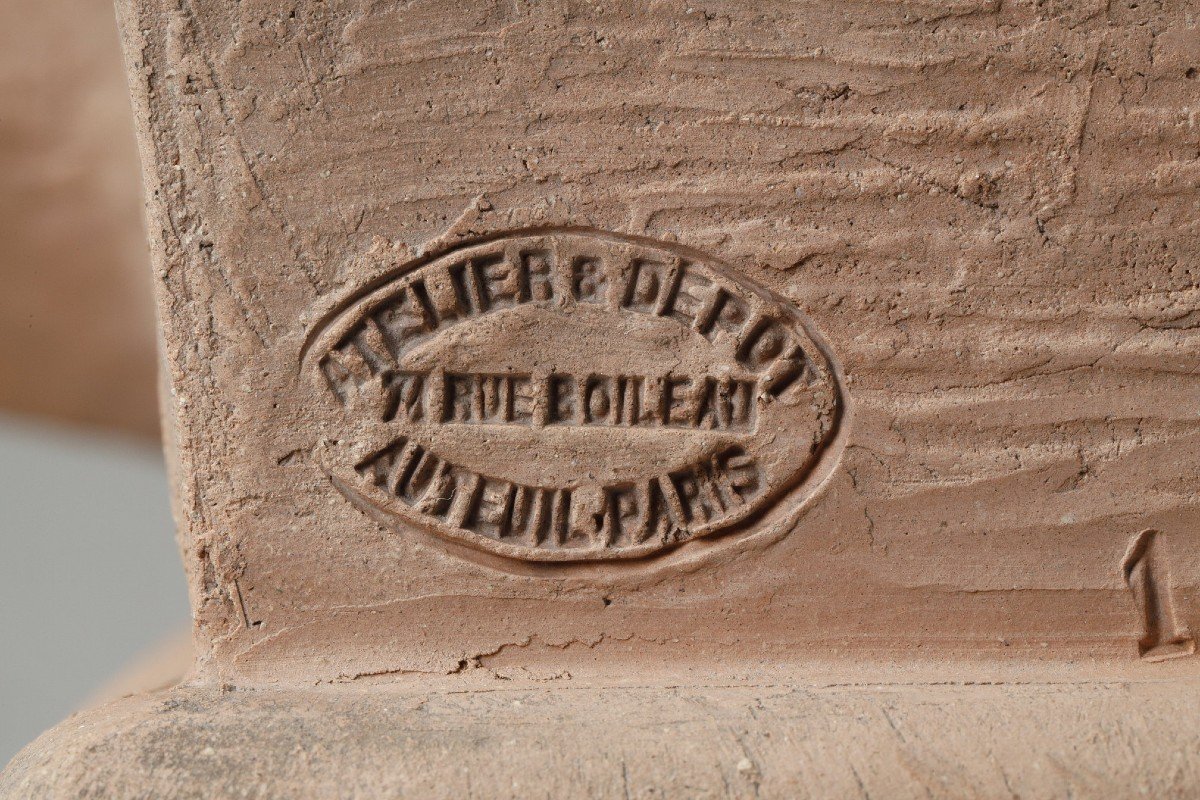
[
  {"x": 727, "y": 736},
  {"x": 515, "y": 352}
]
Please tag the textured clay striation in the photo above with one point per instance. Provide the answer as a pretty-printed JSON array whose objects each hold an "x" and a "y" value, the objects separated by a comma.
[{"x": 566, "y": 344}]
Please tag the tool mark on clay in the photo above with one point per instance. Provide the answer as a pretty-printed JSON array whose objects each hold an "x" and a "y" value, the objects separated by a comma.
[{"x": 1144, "y": 568}]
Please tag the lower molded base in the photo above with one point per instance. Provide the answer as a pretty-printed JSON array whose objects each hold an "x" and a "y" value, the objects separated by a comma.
[{"x": 1096, "y": 739}]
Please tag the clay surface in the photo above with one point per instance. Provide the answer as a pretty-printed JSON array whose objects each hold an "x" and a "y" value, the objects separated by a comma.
[
  {"x": 696, "y": 741},
  {"x": 994, "y": 307},
  {"x": 571, "y": 343}
]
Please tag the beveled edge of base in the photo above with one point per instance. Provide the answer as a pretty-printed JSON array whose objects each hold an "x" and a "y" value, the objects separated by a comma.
[{"x": 1094, "y": 739}]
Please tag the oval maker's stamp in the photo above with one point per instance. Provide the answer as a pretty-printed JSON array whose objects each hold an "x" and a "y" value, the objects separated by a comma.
[{"x": 570, "y": 395}]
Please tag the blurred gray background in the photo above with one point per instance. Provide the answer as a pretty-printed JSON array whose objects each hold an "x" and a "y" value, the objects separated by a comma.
[{"x": 89, "y": 575}]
